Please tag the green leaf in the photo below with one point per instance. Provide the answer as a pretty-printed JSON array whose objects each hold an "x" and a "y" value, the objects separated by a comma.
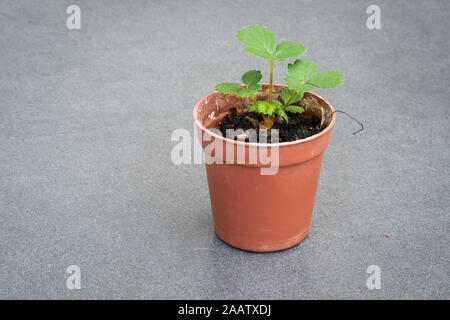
[
  {"x": 294, "y": 109},
  {"x": 258, "y": 40},
  {"x": 327, "y": 79},
  {"x": 259, "y": 106},
  {"x": 268, "y": 109},
  {"x": 276, "y": 102},
  {"x": 252, "y": 77},
  {"x": 258, "y": 52},
  {"x": 263, "y": 107},
  {"x": 271, "y": 109},
  {"x": 290, "y": 49},
  {"x": 228, "y": 87},
  {"x": 298, "y": 72},
  {"x": 252, "y": 108},
  {"x": 287, "y": 93},
  {"x": 296, "y": 85},
  {"x": 251, "y": 89},
  {"x": 302, "y": 69},
  {"x": 281, "y": 112}
]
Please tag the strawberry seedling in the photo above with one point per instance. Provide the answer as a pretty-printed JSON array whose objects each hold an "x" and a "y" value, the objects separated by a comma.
[{"x": 302, "y": 76}]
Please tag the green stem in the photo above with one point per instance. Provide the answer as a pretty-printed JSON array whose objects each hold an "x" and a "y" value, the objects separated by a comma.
[
  {"x": 271, "y": 80},
  {"x": 289, "y": 100}
]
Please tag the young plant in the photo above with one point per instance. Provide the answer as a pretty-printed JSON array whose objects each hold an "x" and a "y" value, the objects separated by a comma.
[
  {"x": 302, "y": 77},
  {"x": 262, "y": 43},
  {"x": 250, "y": 79}
]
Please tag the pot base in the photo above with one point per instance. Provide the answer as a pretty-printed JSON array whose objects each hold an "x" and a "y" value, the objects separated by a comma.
[{"x": 243, "y": 243}]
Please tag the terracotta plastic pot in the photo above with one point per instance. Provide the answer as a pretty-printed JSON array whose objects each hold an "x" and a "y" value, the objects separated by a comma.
[{"x": 254, "y": 211}]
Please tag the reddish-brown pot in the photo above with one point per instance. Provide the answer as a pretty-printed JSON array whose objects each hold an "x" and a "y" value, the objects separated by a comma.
[{"x": 258, "y": 212}]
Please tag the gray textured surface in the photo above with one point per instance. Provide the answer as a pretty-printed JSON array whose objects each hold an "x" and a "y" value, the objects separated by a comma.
[{"x": 86, "y": 177}]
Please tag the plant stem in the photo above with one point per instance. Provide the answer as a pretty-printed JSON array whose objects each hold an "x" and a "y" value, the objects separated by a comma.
[
  {"x": 270, "y": 81},
  {"x": 290, "y": 99}
]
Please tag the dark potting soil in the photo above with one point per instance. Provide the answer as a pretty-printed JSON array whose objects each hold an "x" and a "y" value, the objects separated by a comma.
[{"x": 297, "y": 127}]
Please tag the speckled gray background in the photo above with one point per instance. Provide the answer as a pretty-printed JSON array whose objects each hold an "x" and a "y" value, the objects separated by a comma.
[{"x": 86, "y": 177}]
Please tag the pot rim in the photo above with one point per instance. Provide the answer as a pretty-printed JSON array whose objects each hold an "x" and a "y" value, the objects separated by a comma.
[{"x": 279, "y": 144}]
